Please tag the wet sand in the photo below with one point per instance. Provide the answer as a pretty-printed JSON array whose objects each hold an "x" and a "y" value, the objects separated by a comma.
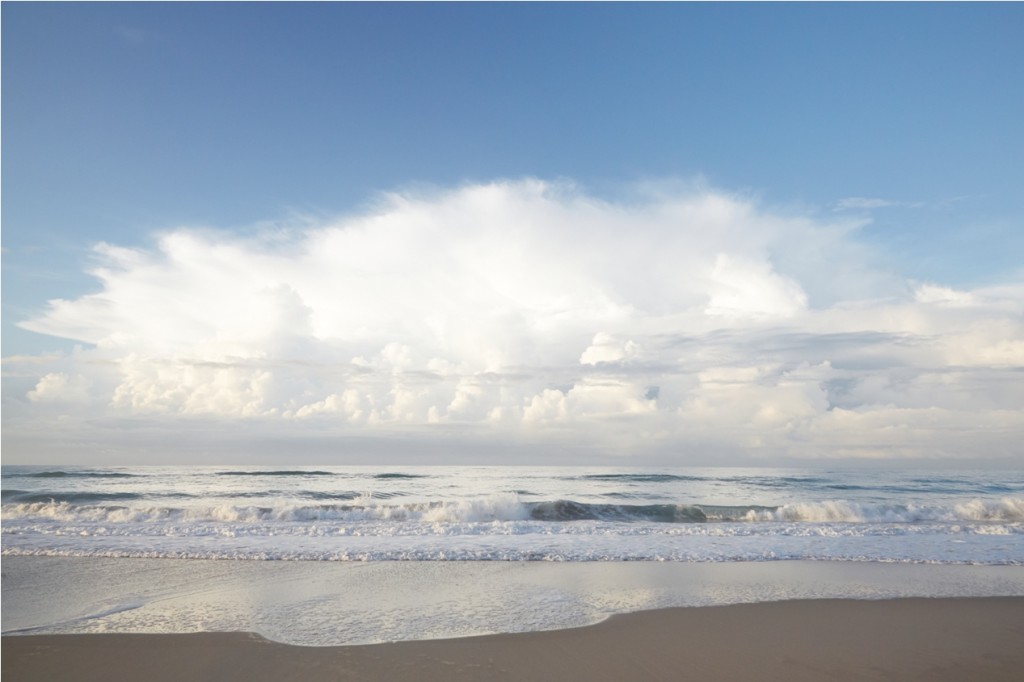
[{"x": 902, "y": 639}]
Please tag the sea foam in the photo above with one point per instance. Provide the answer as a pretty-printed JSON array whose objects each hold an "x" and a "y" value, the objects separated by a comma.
[{"x": 420, "y": 514}]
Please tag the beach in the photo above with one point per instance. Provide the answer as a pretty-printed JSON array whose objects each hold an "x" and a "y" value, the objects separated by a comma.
[
  {"x": 113, "y": 620},
  {"x": 905, "y": 639},
  {"x": 434, "y": 573}
]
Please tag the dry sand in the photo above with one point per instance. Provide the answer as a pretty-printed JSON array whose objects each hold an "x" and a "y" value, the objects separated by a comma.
[{"x": 905, "y": 639}]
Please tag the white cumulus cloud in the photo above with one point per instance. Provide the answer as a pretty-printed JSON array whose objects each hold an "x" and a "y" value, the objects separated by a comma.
[
  {"x": 532, "y": 312},
  {"x": 58, "y": 387}
]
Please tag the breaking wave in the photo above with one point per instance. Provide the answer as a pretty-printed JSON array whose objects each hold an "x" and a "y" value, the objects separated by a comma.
[{"x": 509, "y": 507}]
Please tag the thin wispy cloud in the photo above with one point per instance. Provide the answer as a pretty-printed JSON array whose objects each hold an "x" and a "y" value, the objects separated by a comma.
[
  {"x": 863, "y": 203},
  {"x": 873, "y": 203}
]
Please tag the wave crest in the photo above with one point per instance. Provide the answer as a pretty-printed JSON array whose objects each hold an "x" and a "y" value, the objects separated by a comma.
[{"x": 502, "y": 507}]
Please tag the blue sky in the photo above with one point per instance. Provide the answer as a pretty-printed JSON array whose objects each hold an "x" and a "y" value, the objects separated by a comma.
[{"x": 257, "y": 129}]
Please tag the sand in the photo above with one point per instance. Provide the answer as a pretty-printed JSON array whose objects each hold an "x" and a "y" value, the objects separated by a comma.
[{"x": 902, "y": 639}]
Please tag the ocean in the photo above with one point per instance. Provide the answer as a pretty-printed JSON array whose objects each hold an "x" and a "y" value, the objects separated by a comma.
[
  {"x": 341, "y": 555},
  {"x": 514, "y": 514}
]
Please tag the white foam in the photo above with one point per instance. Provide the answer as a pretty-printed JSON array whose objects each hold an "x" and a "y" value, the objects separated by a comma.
[
  {"x": 1007, "y": 510},
  {"x": 499, "y": 527},
  {"x": 501, "y": 507},
  {"x": 496, "y": 507}
]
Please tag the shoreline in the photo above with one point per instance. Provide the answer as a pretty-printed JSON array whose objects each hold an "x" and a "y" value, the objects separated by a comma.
[
  {"x": 328, "y": 603},
  {"x": 936, "y": 638}
]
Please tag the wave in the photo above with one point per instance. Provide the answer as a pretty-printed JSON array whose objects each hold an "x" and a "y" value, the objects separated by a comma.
[
  {"x": 72, "y": 474},
  {"x": 399, "y": 476},
  {"x": 774, "y": 481},
  {"x": 499, "y": 554},
  {"x": 287, "y": 472},
  {"x": 26, "y": 497},
  {"x": 369, "y": 507},
  {"x": 305, "y": 495},
  {"x": 638, "y": 478},
  {"x": 568, "y": 510},
  {"x": 1007, "y": 509}
]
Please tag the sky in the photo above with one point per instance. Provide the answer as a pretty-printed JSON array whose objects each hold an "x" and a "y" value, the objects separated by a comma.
[{"x": 619, "y": 234}]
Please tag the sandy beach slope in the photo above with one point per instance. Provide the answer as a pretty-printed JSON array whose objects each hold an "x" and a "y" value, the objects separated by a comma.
[{"x": 905, "y": 639}]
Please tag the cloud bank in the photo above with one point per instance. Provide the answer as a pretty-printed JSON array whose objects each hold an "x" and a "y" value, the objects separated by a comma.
[{"x": 690, "y": 325}]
